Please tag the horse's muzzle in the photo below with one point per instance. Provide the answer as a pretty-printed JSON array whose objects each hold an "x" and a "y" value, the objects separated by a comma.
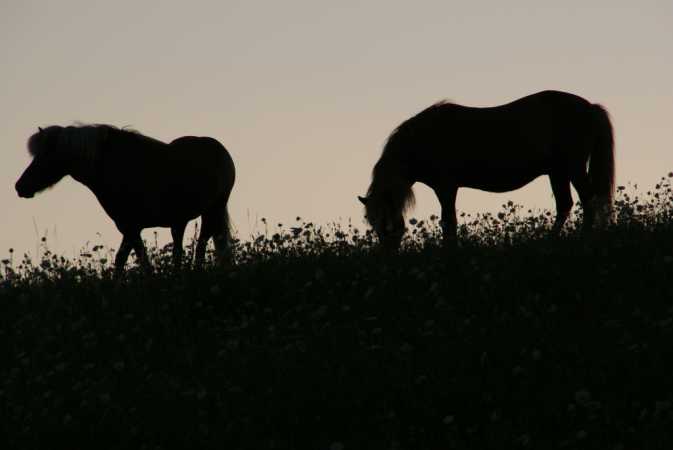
[{"x": 23, "y": 193}]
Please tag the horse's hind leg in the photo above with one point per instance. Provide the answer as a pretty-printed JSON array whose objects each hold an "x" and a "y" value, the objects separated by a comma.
[
  {"x": 221, "y": 235},
  {"x": 141, "y": 252},
  {"x": 178, "y": 233},
  {"x": 215, "y": 224},
  {"x": 131, "y": 241},
  {"x": 122, "y": 255},
  {"x": 202, "y": 243},
  {"x": 222, "y": 240},
  {"x": 560, "y": 186},
  {"x": 583, "y": 187}
]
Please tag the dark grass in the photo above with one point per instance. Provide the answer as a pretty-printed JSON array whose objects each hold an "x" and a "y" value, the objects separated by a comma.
[{"x": 315, "y": 340}]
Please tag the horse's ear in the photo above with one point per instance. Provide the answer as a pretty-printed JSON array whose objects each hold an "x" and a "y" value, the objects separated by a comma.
[
  {"x": 363, "y": 200},
  {"x": 39, "y": 129}
]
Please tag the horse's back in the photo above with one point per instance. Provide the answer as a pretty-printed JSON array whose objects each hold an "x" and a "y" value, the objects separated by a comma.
[
  {"x": 540, "y": 116},
  {"x": 163, "y": 184},
  {"x": 550, "y": 97},
  {"x": 550, "y": 107},
  {"x": 478, "y": 145}
]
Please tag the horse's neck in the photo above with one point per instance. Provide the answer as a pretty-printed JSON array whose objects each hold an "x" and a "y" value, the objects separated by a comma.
[
  {"x": 84, "y": 169},
  {"x": 84, "y": 177},
  {"x": 395, "y": 177}
]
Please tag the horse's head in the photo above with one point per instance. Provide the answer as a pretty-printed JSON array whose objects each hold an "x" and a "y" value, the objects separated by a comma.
[
  {"x": 387, "y": 223},
  {"x": 48, "y": 165}
]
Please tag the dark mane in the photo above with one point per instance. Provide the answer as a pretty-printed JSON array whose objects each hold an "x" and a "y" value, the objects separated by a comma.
[
  {"x": 81, "y": 136},
  {"x": 129, "y": 132},
  {"x": 386, "y": 188},
  {"x": 409, "y": 124},
  {"x": 125, "y": 131}
]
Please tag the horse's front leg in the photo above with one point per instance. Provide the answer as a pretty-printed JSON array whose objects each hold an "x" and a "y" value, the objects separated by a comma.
[{"x": 449, "y": 223}]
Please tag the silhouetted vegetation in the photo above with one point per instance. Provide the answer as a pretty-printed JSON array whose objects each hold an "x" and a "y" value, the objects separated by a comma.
[{"x": 315, "y": 339}]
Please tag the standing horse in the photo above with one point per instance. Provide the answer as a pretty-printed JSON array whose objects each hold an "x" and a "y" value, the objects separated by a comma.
[
  {"x": 140, "y": 182},
  {"x": 495, "y": 149}
]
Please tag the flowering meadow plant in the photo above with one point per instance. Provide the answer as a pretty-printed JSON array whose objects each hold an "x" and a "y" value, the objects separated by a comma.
[{"x": 315, "y": 338}]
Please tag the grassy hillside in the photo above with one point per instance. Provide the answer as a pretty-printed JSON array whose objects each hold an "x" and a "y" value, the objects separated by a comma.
[{"x": 315, "y": 340}]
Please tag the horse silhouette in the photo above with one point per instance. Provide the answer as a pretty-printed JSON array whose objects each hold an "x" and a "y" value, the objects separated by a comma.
[
  {"x": 140, "y": 182},
  {"x": 495, "y": 149}
]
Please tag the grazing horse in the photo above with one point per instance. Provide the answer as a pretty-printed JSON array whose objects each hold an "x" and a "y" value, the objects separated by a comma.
[
  {"x": 495, "y": 149},
  {"x": 140, "y": 182}
]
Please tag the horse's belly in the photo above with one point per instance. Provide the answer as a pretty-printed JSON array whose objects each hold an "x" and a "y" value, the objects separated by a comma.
[
  {"x": 169, "y": 210},
  {"x": 500, "y": 185},
  {"x": 498, "y": 179},
  {"x": 159, "y": 210}
]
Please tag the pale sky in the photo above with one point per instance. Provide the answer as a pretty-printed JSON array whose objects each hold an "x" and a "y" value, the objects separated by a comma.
[{"x": 304, "y": 93}]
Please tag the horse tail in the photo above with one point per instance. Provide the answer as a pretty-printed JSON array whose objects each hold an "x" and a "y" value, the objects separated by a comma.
[
  {"x": 602, "y": 161},
  {"x": 228, "y": 174},
  {"x": 226, "y": 223},
  {"x": 223, "y": 242},
  {"x": 226, "y": 220}
]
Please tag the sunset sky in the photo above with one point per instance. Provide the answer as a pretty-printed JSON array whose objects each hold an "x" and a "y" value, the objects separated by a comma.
[{"x": 304, "y": 93}]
